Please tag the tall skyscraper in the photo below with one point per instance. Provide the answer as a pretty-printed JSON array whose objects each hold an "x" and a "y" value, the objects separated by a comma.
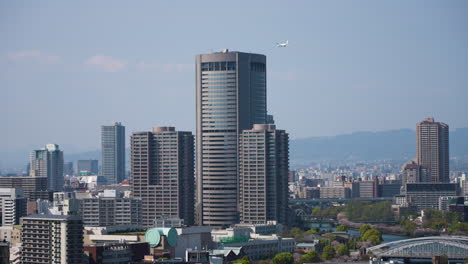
[
  {"x": 162, "y": 167},
  {"x": 48, "y": 162},
  {"x": 51, "y": 239},
  {"x": 263, "y": 174},
  {"x": 113, "y": 153},
  {"x": 87, "y": 166},
  {"x": 230, "y": 97},
  {"x": 432, "y": 149}
]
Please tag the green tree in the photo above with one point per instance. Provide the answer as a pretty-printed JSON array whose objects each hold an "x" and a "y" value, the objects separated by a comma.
[
  {"x": 363, "y": 229},
  {"x": 328, "y": 253},
  {"x": 296, "y": 233},
  {"x": 343, "y": 250},
  {"x": 409, "y": 227},
  {"x": 316, "y": 212},
  {"x": 283, "y": 258},
  {"x": 311, "y": 232},
  {"x": 244, "y": 260},
  {"x": 310, "y": 257},
  {"x": 341, "y": 228},
  {"x": 372, "y": 235}
]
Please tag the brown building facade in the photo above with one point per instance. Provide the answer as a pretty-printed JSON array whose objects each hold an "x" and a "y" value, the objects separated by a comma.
[
  {"x": 432, "y": 149},
  {"x": 162, "y": 173}
]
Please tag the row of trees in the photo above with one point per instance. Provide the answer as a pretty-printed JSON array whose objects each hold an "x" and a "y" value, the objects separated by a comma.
[
  {"x": 329, "y": 252},
  {"x": 366, "y": 211},
  {"x": 329, "y": 212}
]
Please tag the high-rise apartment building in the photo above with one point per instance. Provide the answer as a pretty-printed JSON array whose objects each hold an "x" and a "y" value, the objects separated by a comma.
[
  {"x": 113, "y": 153},
  {"x": 48, "y": 162},
  {"x": 52, "y": 239},
  {"x": 230, "y": 98},
  {"x": 12, "y": 206},
  {"x": 162, "y": 167},
  {"x": 87, "y": 166},
  {"x": 432, "y": 149},
  {"x": 263, "y": 174}
]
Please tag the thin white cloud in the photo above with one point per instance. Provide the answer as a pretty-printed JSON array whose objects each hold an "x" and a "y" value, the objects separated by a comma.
[
  {"x": 162, "y": 67},
  {"x": 33, "y": 56},
  {"x": 106, "y": 63},
  {"x": 289, "y": 75}
]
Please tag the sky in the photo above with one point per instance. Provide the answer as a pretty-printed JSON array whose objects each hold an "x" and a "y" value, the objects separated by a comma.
[{"x": 68, "y": 67}]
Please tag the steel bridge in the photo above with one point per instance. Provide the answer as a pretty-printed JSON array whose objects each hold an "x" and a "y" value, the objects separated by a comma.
[{"x": 454, "y": 247}]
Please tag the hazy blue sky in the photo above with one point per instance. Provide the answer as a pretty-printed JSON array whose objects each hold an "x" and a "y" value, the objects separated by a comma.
[{"x": 67, "y": 67}]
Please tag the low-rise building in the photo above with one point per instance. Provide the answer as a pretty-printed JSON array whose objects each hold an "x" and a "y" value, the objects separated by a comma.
[
  {"x": 110, "y": 211},
  {"x": 116, "y": 253},
  {"x": 260, "y": 247},
  {"x": 426, "y": 195}
]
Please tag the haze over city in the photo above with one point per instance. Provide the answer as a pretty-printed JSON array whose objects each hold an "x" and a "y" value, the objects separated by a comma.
[{"x": 68, "y": 68}]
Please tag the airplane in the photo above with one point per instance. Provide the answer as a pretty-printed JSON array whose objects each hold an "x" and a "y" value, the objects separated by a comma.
[{"x": 282, "y": 44}]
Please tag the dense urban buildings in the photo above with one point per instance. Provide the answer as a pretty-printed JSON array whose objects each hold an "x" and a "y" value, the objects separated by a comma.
[
  {"x": 162, "y": 167},
  {"x": 52, "y": 239},
  {"x": 113, "y": 153},
  {"x": 87, "y": 167},
  {"x": 48, "y": 162},
  {"x": 12, "y": 206},
  {"x": 432, "y": 149},
  {"x": 230, "y": 98},
  {"x": 263, "y": 174}
]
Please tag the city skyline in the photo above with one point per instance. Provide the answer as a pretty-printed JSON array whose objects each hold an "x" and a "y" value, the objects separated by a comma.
[
  {"x": 282, "y": 149},
  {"x": 306, "y": 67}
]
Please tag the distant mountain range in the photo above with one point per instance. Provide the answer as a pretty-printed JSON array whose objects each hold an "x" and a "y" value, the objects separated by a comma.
[{"x": 391, "y": 145}]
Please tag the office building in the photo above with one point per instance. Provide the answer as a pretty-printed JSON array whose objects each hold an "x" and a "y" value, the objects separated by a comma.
[
  {"x": 335, "y": 192},
  {"x": 263, "y": 174},
  {"x": 48, "y": 162},
  {"x": 366, "y": 189},
  {"x": 162, "y": 166},
  {"x": 432, "y": 149},
  {"x": 33, "y": 187},
  {"x": 426, "y": 195},
  {"x": 12, "y": 206},
  {"x": 51, "y": 239},
  {"x": 113, "y": 153},
  {"x": 90, "y": 167},
  {"x": 389, "y": 189},
  {"x": 68, "y": 168},
  {"x": 230, "y": 98}
]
